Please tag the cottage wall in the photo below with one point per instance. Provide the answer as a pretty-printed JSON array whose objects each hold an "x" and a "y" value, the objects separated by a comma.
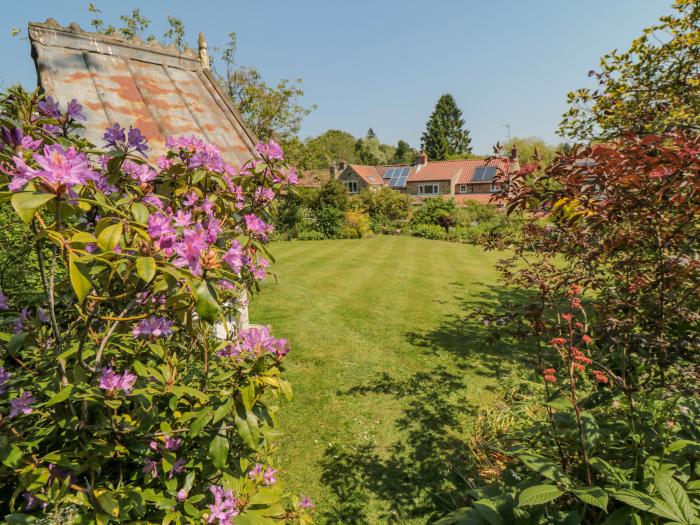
[
  {"x": 349, "y": 175},
  {"x": 445, "y": 187}
]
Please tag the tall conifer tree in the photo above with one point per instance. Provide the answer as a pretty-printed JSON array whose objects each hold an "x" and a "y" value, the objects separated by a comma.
[{"x": 444, "y": 132}]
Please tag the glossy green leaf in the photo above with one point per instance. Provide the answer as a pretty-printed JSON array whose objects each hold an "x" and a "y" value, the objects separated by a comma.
[
  {"x": 140, "y": 212},
  {"x": 146, "y": 268},
  {"x": 539, "y": 494},
  {"x": 79, "y": 277},
  {"x": 218, "y": 451},
  {"x": 207, "y": 306},
  {"x": 26, "y": 203},
  {"x": 83, "y": 237},
  {"x": 61, "y": 396},
  {"x": 109, "y": 237}
]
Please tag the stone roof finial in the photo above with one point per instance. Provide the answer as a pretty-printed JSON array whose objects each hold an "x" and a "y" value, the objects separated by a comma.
[{"x": 203, "y": 54}]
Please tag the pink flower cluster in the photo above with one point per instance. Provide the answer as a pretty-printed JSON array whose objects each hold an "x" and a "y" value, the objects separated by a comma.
[
  {"x": 111, "y": 381},
  {"x": 196, "y": 153},
  {"x": 268, "y": 476},
  {"x": 153, "y": 328},
  {"x": 255, "y": 342},
  {"x": 59, "y": 170},
  {"x": 225, "y": 506}
]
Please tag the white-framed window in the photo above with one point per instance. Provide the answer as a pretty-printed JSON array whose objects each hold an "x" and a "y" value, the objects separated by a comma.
[
  {"x": 350, "y": 185},
  {"x": 495, "y": 187},
  {"x": 463, "y": 188},
  {"x": 429, "y": 189}
]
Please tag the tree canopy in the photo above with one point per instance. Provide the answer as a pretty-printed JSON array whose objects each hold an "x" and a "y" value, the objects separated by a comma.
[
  {"x": 445, "y": 133},
  {"x": 653, "y": 87}
]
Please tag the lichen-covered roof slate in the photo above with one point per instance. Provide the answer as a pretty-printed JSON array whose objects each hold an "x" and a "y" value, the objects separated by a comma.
[{"x": 160, "y": 90}]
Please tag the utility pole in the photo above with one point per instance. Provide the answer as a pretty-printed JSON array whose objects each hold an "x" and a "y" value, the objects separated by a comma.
[{"x": 507, "y": 126}]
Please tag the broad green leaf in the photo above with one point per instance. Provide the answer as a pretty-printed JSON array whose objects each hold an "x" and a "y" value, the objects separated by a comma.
[
  {"x": 27, "y": 202},
  {"x": 487, "y": 510},
  {"x": 19, "y": 519},
  {"x": 83, "y": 237},
  {"x": 246, "y": 433},
  {"x": 146, "y": 268},
  {"x": 61, "y": 396},
  {"x": 266, "y": 496},
  {"x": 222, "y": 411},
  {"x": 680, "y": 445},
  {"x": 672, "y": 493},
  {"x": 621, "y": 516},
  {"x": 200, "y": 422},
  {"x": 640, "y": 500},
  {"x": 207, "y": 306},
  {"x": 107, "y": 503},
  {"x": 218, "y": 451},
  {"x": 140, "y": 212},
  {"x": 546, "y": 468},
  {"x": 78, "y": 273},
  {"x": 593, "y": 496},
  {"x": 10, "y": 455},
  {"x": 539, "y": 494},
  {"x": 110, "y": 236}
]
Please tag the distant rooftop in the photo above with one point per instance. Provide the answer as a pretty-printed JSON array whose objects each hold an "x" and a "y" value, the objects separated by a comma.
[{"x": 161, "y": 90}]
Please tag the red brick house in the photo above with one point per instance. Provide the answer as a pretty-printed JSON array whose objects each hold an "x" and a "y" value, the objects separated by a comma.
[{"x": 462, "y": 180}]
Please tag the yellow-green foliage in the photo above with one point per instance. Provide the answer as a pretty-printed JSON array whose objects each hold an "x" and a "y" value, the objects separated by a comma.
[{"x": 356, "y": 225}]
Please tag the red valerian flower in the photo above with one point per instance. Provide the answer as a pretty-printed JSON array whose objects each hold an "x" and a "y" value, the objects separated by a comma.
[
  {"x": 586, "y": 339},
  {"x": 600, "y": 376},
  {"x": 558, "y": 341}
]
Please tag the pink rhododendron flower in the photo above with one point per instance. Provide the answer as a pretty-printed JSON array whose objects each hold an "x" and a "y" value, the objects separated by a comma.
[
  {"x": 257, "y": 227},
  {"x": 153, "y": 328},
  {"x": 191, "y": 199},
  {"x": 269, "y": 476},
  {"x": 183, "y": 219},
  {"x": 4, "y": 378},
  {"x": 224, "y": 508},
  {"x": 22, "y": 404},
  {"x": 139, "y": 172},
  {"x": 60, "y": 169},
  {"x": 151, "y": 468},
  {"x": 178, "y": 467},
  {"x": 270, "y": 150},
  {"x": 190, "y": 249},
  {"x": 111, "y": 381},
  {"x": 256, "y": 341},
  {"x": 182, "y": 495},
  {"x": 234, "y": 256},
  {"x": 306, "y": 503},
  {"x": 153, "y": 201}
]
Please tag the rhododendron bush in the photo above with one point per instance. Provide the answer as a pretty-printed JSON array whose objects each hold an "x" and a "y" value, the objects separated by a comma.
[{"x": 117, "y": 402}]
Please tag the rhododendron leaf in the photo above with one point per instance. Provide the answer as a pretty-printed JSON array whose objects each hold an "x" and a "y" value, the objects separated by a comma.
[
  {"x": 62, "y": 395},
  {"x": 218, "y": 451},
  {"x": 83, "y": 237},
  {"x": 248, "y": 396},
  {"x": 198, "y": 175},
  {"x": 10, "y": 454},
  {"x": 200, "y": 422},
  {"x": 222, "y": 411},
  {"x": 20, "y": 519},
  {"x": 146, "y": 268},
  {"x": 79, "y": 277},
  {"x": 107, "y": 503},
  {"x": 248, "y": 429},
  {"x": 26, "y": 203},
  {"x": 140, "y": 212},
  {"x": 110, "y": 236},
  {"x": 207, "y": 305}
]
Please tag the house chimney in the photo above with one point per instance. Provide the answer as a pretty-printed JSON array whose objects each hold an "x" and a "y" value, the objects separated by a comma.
[
  {"x": 334, "y": 172},
  {"x": 341, "y": 166},
  {"x": 514, "y": 152},
  {"x": 422, "y": 158}
]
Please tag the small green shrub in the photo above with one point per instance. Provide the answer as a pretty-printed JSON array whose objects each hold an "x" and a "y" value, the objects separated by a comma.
[
  {"x": 429, "y": 231},
  {"x": 310, "y": 235},
  {"x": 356, "y": 225}
]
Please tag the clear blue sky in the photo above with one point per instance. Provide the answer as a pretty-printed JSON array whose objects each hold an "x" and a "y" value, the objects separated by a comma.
[{"x": 384, "y": 63}]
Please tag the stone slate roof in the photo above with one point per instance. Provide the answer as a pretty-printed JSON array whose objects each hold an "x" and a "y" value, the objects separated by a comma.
[{"x": 161, "y": 90}]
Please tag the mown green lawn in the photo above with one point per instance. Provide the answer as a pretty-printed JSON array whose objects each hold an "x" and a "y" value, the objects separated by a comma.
[{"x": 387, "y": 373}]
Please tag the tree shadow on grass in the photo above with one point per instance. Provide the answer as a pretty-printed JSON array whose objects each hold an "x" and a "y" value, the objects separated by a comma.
[{"x": 426, "y": 474}]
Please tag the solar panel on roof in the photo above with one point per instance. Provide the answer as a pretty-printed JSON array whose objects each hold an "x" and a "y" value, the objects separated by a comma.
[
  {"x": 388, "y": 173},
  {"x": 484, "y": 174}
]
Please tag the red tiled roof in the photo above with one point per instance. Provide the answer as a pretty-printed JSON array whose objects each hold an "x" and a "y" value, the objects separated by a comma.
[
  {"x": 369, "y": 174},
  {"x": 462, "y": 169},
  {"x": 313, "y": 178}
]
